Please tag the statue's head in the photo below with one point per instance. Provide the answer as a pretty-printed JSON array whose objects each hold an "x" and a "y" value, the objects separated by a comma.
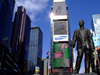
[{"x": 81, "y": 22}]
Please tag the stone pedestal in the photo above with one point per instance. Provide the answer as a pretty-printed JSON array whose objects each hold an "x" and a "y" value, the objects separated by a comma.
[{"x": 85, "y": 74}]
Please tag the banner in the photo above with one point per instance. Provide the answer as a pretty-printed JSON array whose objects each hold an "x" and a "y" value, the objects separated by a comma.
[{"x": 61, "y": 55}]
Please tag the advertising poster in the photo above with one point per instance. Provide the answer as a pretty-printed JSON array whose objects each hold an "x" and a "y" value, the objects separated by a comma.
[
  {"x": 59, "y": 10},
  {"x": 96, "y": 40},
  {"x": 60, "y": 28},
  {"x": 61, "y": 55},
  {"x": 60, "y": 32}
]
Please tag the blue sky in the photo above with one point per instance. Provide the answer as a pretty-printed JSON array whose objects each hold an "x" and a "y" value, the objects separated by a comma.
[{"x": 39, "y": 12}]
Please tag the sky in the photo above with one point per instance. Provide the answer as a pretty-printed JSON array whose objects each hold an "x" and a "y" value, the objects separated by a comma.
[{"x": 39, "y": 13}]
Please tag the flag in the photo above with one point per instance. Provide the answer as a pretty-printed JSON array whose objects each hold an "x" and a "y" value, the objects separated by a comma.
[{"x": 47, "y": 53}]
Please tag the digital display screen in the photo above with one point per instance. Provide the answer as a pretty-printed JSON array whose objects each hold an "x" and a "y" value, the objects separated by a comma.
[
  {"x": 61, "y": 55},
  {"x": 59, "y": 8},
  {"x": 60, "y": 28}
]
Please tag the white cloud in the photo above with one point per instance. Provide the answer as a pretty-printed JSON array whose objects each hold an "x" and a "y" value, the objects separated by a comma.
[{"x": 33, "y": 7}]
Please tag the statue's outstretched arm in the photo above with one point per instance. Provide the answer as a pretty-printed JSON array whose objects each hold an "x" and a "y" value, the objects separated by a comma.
[{"x": 74, "y": 39}]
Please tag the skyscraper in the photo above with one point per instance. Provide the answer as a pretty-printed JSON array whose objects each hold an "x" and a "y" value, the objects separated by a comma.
[
  {"x": 25, "y": 45},
  {"x": 96, "y": 39},
  {"x": 96, "y": 24},
  {"x": 35, "y": 49},
  {"x": 46, "y": 66},
  {"x": 60, "y": 38},
  {"x": 6, "y": 13},
  {"x": 20, "y": 37},
  {"x": 18, "y": 30}
]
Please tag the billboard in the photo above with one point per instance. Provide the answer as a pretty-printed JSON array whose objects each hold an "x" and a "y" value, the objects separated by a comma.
[
  {"x": 60, "y": 31},
  {"x": 61, "y": 55},
  {"x": 96, "y": 40},
  {"x": 96, "y": 23},
  {"x": 59, "y": 10}
]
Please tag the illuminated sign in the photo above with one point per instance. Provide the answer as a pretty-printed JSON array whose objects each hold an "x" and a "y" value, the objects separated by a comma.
[
  {"x": 59, "y": 9},
  {"x": 58, "y": 0},
  {"x": 61, "y": 55},
  {"x": 59, "y": 17},
  {"x": 60, "y": 31},
  {"x": 58, "y": 38}
]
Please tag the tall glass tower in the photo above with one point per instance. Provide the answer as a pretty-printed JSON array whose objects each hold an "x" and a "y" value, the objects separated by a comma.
[
  {"x": 35, "y": 49},
  {"x": 96, "y": 24},
  {"x": 6, "y": 13},
  {"x": 20, "y": 37}
]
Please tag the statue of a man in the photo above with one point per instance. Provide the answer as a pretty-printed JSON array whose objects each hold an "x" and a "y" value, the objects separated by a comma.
[{"x": 85, "y": 45}]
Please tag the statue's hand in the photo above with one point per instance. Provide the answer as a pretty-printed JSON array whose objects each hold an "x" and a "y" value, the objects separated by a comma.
[{"x": 72, "y": 44}]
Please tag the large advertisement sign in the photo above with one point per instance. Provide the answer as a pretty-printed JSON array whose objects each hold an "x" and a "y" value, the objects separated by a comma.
[
  {"x": 59, "y": 10},
  {"x": 61, "y": 55},
  {"x": 60, "y": 28},
  {"x": 96, "y": 22},
  {"x": 60, "y": 31},
  {"x": 96, "y": 40}
]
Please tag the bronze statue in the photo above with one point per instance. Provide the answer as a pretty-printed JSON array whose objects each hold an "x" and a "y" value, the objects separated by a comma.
[{"x": 85, "y": 45}]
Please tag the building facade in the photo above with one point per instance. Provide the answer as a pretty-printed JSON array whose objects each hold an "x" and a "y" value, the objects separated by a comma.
[
  {"x": 61, "y": 54},
  {"x": 46, "y": 68},
  {"x": 96, "y": 24},
  {"x": 35, "y": 49},
  {"x": 96, "y": 40},
  {"x": 6, "y": 14},
  {"x": 8, "y": 65},
  {"x": 20, "y": 38}
]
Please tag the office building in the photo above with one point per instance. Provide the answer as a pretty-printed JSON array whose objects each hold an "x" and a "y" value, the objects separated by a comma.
[
  {"x": 35, "y": 49},
  {"x": 25, "y": 47},
  {"x": 96, "y": 40},
  {"x": 18, "y": 30},
  {"x": 60, "y": 39},
  {"x": 96, "y": 24},
  {"x": 6, "y": 14},
  {"x": 20, "y": 38},
  {"x": 8, "y": 65},
  {"x": 46, "y": 66}
]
